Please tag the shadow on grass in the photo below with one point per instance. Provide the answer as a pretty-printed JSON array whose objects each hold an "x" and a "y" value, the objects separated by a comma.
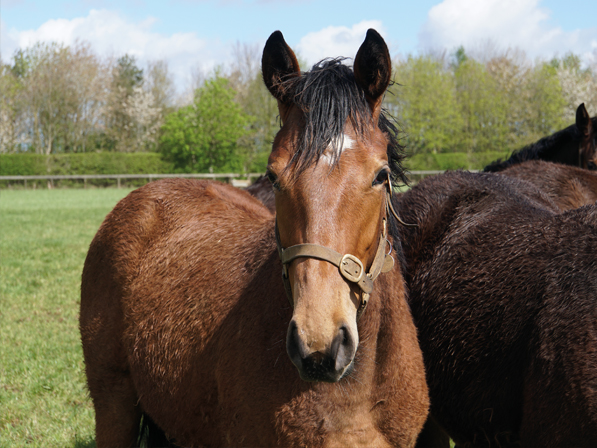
[{"x": 89, "y": 443}]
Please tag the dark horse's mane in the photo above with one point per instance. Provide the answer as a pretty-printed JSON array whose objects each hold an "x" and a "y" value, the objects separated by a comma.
[
  {"x": 544, "y": 149},
  {"x": 329, "y": 95}
]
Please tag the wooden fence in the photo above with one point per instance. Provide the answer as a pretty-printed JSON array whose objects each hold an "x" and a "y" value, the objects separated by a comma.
[{"x": 238, "y": 180}]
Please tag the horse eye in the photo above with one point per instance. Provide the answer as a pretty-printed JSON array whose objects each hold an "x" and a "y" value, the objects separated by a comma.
[
  {"x": 273, "y": 179},
  {"x": 381, "y": 177}
]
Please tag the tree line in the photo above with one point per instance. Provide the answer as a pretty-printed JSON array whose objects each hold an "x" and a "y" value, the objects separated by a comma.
[{"x": 65, "y": 99}]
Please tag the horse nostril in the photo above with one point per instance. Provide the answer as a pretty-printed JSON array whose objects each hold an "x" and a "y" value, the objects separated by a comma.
[
  {"x": 294, "y": 346},
  {"x": 343, "y": 348}
]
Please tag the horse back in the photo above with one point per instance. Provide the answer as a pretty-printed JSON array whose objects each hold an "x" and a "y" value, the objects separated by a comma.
[{"x": 569, "y": 186}]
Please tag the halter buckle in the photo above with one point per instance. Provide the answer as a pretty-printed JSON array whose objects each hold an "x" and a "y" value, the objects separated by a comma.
[{"x": 351, "y": 268}]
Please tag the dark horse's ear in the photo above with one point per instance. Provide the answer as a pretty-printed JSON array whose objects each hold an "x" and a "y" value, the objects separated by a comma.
[
  {"x": 583, "y": 121},
  {"x": 585, "y": 127},
  {"x": 373, "y": 69},
  {"x": 279, "y": 63}
]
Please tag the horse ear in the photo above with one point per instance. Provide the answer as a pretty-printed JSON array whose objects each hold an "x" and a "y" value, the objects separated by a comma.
[
  {"x": 373, "y": 69},
  {"x": 587, "y": 150},
  {"x": 278, "y": 63},
  {"x": 583, "y": 121}
]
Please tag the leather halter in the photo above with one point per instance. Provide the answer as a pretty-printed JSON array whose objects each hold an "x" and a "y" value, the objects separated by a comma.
[{"x": 349, "y": 266}]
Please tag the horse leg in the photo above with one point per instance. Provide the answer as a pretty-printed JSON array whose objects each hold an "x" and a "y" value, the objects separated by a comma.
[
  {"x": 117, "y": 415},
  {"x": 560, "y": 402},
  {"x": 432, "y": 435},
  {"x": 101, "y": 322}
]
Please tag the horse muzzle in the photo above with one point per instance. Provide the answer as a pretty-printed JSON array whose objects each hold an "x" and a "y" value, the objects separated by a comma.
[{"x": 329, "y": 365}]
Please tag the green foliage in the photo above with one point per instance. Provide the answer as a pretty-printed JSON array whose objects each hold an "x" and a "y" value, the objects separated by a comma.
[
  {"x": 500, "y": 104},
  {"x": 126, "y": 73},
  {"x": 88, "y": 163},
  {"x": 545, "y": 104},
  {"x": 460, "y": 57},
  {"x": 261, "y": 106},
  {"x": 204, "y": 136},
  {"x": 57, "y": 99},
  {"x": 426, "y": 105},
  {"x": 483, "y": 107}
]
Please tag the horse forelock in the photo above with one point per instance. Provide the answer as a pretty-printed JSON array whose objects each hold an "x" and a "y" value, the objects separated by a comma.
[{"x": 329, "y": 97}]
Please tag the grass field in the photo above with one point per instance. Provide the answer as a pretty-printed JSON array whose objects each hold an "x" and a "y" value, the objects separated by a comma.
[{"x": 44, "y": 238}]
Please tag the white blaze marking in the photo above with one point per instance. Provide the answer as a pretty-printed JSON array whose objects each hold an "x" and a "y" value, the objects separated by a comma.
[{"x": 328, "y": 155}]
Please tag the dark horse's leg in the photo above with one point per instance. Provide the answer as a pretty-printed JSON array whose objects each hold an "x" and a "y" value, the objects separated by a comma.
[
  {"x": 432, "y": 435},
  {"x": 117, "y": 414}
]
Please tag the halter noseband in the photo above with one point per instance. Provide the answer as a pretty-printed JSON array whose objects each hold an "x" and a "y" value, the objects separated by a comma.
[{"x": 349, "y": 266}]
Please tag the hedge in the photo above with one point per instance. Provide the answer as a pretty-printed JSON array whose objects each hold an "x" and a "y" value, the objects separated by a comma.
[
  {"x": 148, "y": 163},
  {"x": 86, "y": 163}
]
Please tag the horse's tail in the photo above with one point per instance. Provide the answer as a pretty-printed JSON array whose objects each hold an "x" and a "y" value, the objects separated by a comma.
[{"x": 151, "y": 435}]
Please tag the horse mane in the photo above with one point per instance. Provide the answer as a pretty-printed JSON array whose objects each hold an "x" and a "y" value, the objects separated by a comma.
[{"x": 329, "y": 95}]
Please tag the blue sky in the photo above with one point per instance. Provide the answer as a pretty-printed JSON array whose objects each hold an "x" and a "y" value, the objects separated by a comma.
[{"x": 197, "y": 35}]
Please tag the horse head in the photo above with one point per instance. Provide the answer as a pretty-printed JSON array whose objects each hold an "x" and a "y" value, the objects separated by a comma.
[
  {"x": 587, "y": 152},
  {"x": 331, "y": 171}
]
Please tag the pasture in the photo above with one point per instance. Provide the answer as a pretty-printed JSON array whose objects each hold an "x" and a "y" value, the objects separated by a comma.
[{"x": 45, "y": 236}]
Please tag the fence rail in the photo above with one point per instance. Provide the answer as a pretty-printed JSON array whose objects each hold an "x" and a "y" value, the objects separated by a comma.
[
  {"x": 240, "y": 180},
  {"x": 232, "y": 178}
]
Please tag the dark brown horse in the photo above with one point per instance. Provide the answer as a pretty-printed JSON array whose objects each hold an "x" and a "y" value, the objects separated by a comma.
[
  {"x": 503, "y": 290},
  {"x": 575, "y": 145},
  {"x": 262, "y": 190},
  {"x": 569, "y": 186},
  {"x": 185, "y": 318}
]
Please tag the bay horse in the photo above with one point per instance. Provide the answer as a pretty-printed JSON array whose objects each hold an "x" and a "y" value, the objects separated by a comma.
[
  {"x": 575, "y": 145},
  {"x": 503, "y": 290},
  {"x": 221, "y": 324}
]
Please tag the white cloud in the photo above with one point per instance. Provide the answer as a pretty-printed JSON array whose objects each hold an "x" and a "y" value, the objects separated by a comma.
[
  {"x": 11, "y": 3},
  {"x": 335, "y": 41},
  {"x": 112, "y": 35},
  {"x": 508, "y": 23}
]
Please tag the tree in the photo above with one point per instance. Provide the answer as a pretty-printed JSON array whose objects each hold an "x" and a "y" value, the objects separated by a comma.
[
  {"x": 204, "y": 136},
  {"x": 483, "y": 106},
  {"x": 132, "y": 116},
  {"x": 252, "y": 95},
  {"x": 13, "y": 129},
  {"x": 546, "y": 103},
  {"x": 425, "y": 103},
  {"x": 578, "y": 85},
  {"x": 62, "y": 92},
  {"x": 159, "y": 84}
]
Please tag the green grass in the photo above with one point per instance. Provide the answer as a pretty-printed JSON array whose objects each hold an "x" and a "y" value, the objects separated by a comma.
[{"x": 44, "y": 238}]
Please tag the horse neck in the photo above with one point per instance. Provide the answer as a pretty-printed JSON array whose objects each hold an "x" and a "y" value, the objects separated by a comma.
[
  {"x": 430, "y": 205},
  {"x": 560, "y": 147}
]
